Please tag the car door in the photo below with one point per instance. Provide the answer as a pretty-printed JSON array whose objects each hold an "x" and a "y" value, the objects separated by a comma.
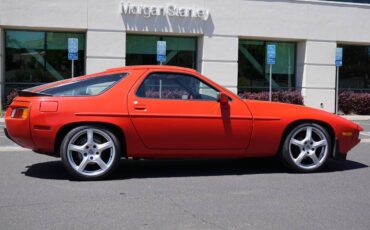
[{"x": 177, "y": 110}]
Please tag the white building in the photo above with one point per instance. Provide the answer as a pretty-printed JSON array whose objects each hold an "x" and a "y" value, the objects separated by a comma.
[{"x": 224, "y": 40}]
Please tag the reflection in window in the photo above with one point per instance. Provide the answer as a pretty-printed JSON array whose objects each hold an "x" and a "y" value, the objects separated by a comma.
[
  {"x": 176, "y": 86},
  {"x": 86, "y": 87},
  {"x": 355, "y": 72},
  {"x": 254, "y": 73},
  {"x": 36, "y": 57},
  {"x": 142, "y": 50}
]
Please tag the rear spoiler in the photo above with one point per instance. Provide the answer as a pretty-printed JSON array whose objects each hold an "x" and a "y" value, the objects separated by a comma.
[{"x": 23, "y": 93}]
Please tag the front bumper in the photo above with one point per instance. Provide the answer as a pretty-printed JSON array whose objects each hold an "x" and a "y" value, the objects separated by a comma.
[{"x": 337, "y": 155}]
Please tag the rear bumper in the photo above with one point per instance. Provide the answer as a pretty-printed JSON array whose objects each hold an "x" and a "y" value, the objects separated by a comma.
[
  {"x": 36, "y": 151},
  {"x": 18, "y": 131},
  {"x": 39, "y": 137}
]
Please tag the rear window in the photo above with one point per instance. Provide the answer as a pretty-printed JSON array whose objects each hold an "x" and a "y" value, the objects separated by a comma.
[{"x": 87, "y": 87}]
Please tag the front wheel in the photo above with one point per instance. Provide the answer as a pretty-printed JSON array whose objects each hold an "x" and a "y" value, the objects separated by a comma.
[
  {"x": 90, "y": 152},
  {"x": 306, "y": 148}
]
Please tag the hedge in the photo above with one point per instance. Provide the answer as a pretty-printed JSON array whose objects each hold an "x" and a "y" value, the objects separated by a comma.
[
  {"x": 10, "y": 97},
  {"x": 354, "y": 103},
  {"x": 291, "y": 97}
]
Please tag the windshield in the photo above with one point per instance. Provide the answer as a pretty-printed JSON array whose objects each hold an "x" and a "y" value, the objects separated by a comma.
[{"x": 86, "y": 87}]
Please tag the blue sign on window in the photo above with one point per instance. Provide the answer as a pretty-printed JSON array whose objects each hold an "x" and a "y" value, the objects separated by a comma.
[
  {"x": 271, "y": 54},
  {"x": 72, "y": 56},
  {"x": 161, "y": 58},
  {"x": 72, "y": 45},
  {"x": 339, "y": 57},
  {"x": 161, "y": 51}
]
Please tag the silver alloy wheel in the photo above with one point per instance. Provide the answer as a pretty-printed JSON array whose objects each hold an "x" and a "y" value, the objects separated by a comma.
[
  {"x": 91, "y": 152},
  {"x": 308, "y": 147}
]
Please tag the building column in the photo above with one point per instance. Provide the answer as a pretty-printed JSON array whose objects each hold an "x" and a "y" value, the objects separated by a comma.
[
  {"x": 219, "y": 60},
  {"x": 105, "y": 49},
  {"x": 316, "y": 73}
]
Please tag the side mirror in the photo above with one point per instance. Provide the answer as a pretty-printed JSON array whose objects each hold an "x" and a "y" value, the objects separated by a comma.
[{"x": 223, "y": 98}]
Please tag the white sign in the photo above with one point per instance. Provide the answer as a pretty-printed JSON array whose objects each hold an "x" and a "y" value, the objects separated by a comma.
[{"x": 170, "y": 10}]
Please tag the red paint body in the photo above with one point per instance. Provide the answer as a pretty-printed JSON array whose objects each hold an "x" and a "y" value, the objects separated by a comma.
[{"x": 169, "y": 128}]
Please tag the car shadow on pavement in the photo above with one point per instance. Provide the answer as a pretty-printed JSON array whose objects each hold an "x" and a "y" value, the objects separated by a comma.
[{"x": 130, "y": 169}]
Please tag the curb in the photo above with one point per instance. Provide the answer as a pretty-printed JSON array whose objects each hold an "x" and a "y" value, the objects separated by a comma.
[{"x": 356, "y": 117}]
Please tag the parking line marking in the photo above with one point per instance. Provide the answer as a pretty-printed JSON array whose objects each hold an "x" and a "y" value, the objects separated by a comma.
[
  {"x": 13, "y": 149},
  {"x": 365, "y": 133},
  {"x": 363, "y": 123}
]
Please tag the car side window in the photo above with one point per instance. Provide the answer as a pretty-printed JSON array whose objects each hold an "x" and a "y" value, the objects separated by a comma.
[
  {"x": 176, "y": 86},
  {"x": 86, "y": 87}
]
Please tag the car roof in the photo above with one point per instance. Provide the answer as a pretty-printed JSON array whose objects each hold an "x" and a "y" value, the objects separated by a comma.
[
  {"x": 158, "y": 67},
  {"x": 112, "y": 70}
]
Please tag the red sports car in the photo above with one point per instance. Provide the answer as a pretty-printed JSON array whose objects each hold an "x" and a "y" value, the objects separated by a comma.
[{"x": 167, "y": 112}]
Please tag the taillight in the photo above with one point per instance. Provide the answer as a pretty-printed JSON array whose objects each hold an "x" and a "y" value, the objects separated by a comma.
[{"x": 19, "y": 113}]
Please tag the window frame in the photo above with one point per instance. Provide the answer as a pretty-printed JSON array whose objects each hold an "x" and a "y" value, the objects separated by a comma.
[
  {"x": 173, "y": 99},
  {"x": 255, "y": 87},
  {"x": 21, "y": 85},
  {"x": 45, "y": 48},
  {"x": 163, "y": 38},
  {"x": 350, "y": 72}
]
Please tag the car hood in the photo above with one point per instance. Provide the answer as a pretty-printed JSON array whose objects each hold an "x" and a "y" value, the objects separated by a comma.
[{"x": 290, "y": 113}]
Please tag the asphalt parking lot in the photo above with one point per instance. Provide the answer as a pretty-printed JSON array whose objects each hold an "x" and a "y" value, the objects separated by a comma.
[{"x": 36, "y": 193}]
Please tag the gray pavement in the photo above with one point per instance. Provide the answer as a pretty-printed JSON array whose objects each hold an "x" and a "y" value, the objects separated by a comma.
[
  {"x": 36, "y": 193},
  {"x": 366, "y": 125},
  {"x": 5, "y": 142}
]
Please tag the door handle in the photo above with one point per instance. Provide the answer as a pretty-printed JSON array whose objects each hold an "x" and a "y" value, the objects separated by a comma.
[{"x": 140, "y": 107}]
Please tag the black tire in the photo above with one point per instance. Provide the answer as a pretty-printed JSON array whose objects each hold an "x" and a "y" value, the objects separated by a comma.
[
  {"x": 90, "y": 154},
  {"x": 304, "y": 155}
]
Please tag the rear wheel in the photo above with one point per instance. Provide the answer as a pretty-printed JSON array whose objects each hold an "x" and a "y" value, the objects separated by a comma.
[
  {"x": 90, "y": 152},
  {"x": 306, "y": 148}
]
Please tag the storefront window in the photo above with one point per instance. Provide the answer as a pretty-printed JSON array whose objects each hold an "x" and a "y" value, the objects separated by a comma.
[
  {"x": 36, "y": 57},
  {"x": 254, "y": 72},
  {"x": 355, "y": 73},
  {"x": 141, "y": 50}
]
